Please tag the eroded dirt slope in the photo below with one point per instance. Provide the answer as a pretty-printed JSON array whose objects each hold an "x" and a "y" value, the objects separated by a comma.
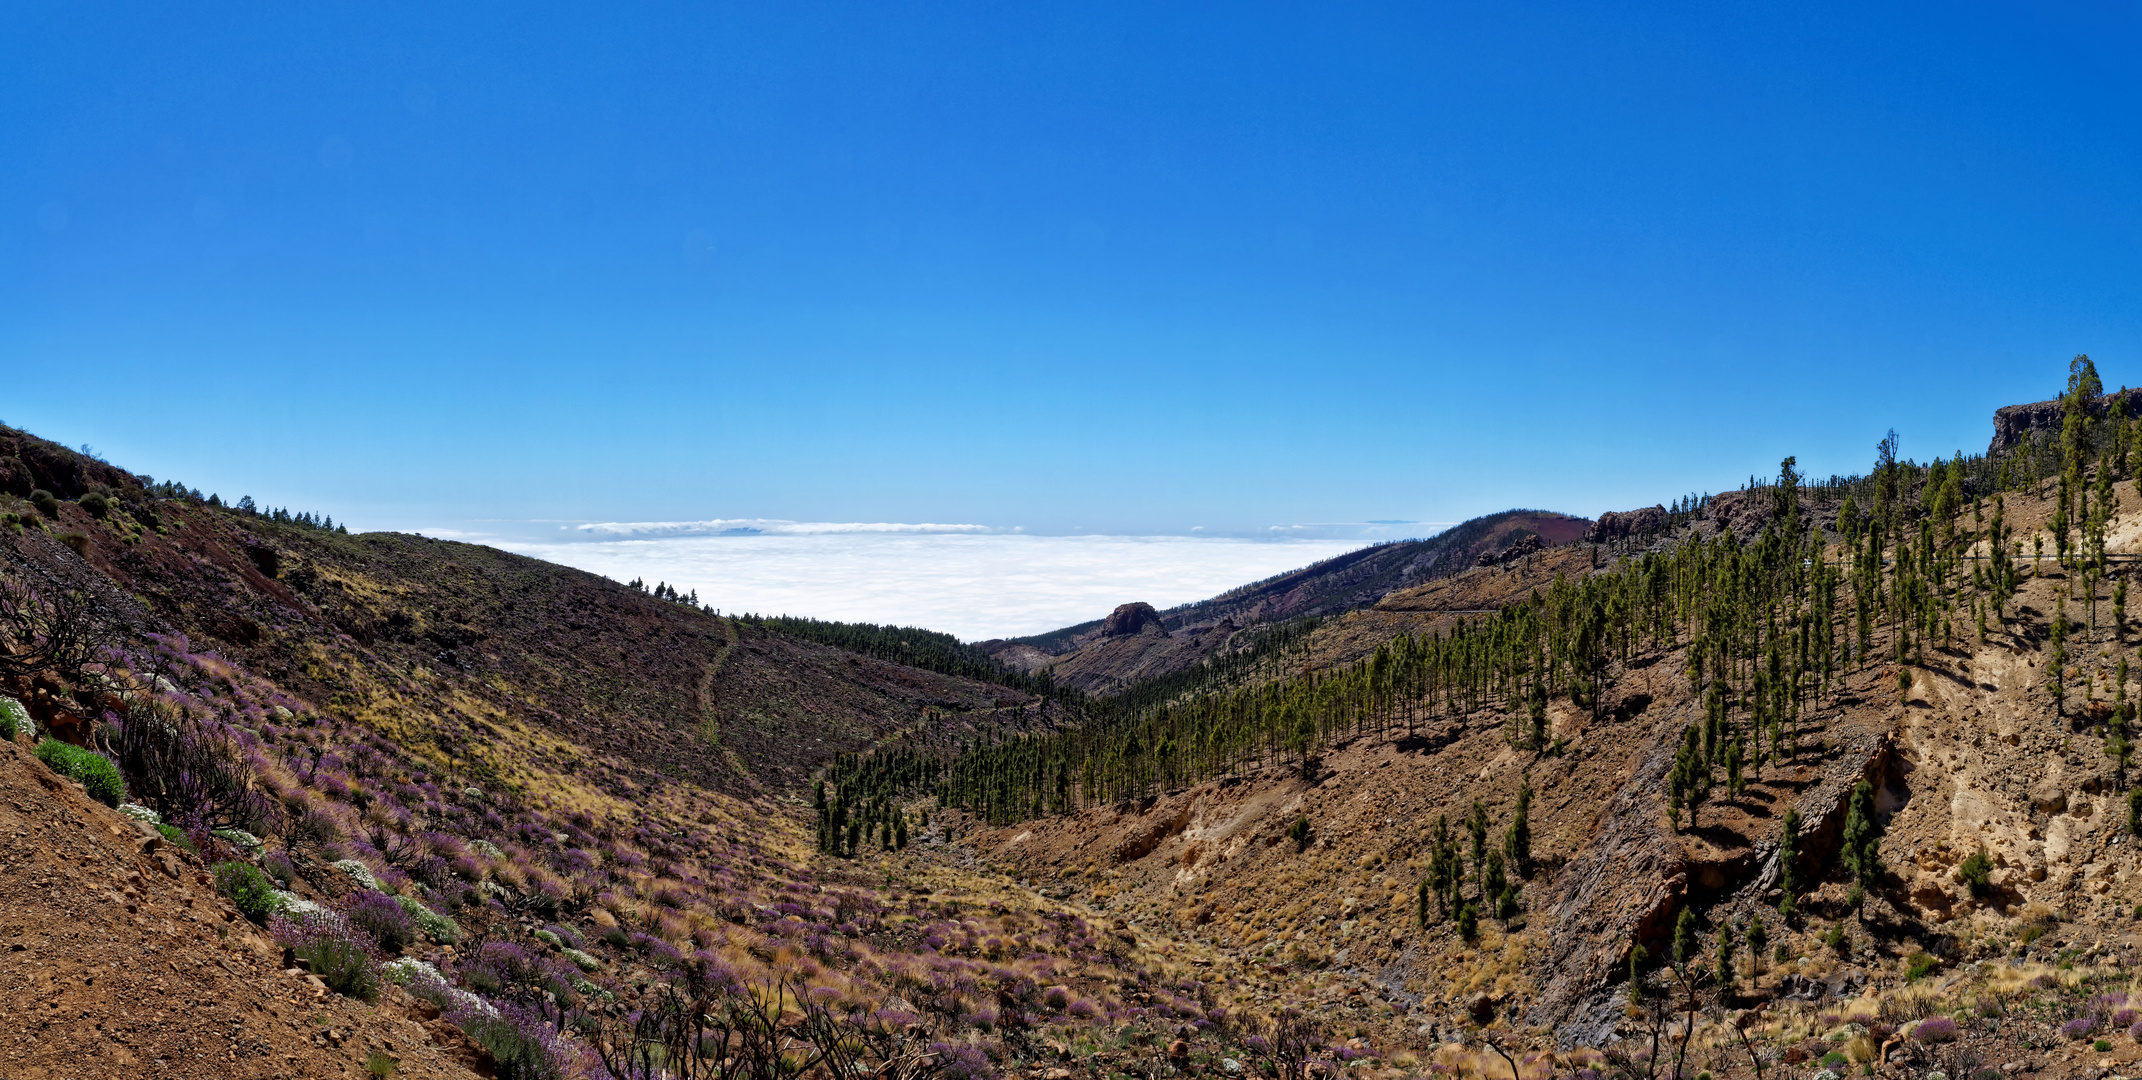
[{"x": 118, "y": 958}]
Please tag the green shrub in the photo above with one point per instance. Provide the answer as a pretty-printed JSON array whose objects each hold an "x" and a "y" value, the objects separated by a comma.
[
  {"x": 1833, "y": 1060},
  {"x": 97, "y": 774},
  {"x": 1299, "y": 832},
  {"x": 340, "y": 954},
  {"x": 2101, "y": 1046},
  {"x": 1918, "y": 965},
  {"x": 1977, "y": 872},
  {"x": 14, "y": 719},
  {"x": 96, "y": 504},
  {"x": 248, "y": 889},
  {"x": 45, "y": 502},
  {"x": 344, "y": 965},
  {"x": 177, "y": 836}
]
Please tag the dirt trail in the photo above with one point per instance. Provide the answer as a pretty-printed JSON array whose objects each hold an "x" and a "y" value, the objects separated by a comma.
[{"x": 118, "y": 959}]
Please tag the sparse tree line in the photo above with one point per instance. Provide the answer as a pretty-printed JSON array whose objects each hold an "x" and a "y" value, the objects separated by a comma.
[
  {"x": 918, "y": 648},
  {"x": 1498, "y": 872}
]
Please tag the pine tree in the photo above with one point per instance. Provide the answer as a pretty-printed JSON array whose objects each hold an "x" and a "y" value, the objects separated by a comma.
[
  {"x": 1861, "y": 854},
  {"x": 1517, "y": 843},
  {"x": 1725, "y": 956},
  {"x": 1788, "y": 865},
  {"x": 1758, "y": 940},
  {"x": 1494, "y": 882},
  {"x": 1684, "y": 938}
]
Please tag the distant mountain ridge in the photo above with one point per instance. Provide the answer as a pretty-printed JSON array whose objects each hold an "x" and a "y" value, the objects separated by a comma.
[{"x": 1087, "y": 657}]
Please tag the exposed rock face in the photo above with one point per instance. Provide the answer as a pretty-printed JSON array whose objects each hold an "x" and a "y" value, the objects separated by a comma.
[
  {"x": 1138, "y": 618},
  {"x": 1620, "y": 525},
  {"x": 1528, "y": 544},
  {"x": 2013, "y": 425},
  {"x": 1742, "y": 513},
  {"x": 1628, "y": 882}
]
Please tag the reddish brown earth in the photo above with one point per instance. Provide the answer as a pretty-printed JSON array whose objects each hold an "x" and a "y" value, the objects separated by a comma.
[{"x": 118, "y": 959}]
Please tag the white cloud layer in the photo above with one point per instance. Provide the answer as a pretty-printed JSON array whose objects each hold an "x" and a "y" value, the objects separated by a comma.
[
  {"x": 762, "y": 527},
  {"x": 973, "y": 584}
]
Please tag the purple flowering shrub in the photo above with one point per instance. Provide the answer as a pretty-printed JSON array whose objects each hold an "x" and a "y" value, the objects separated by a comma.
[
  {"x": 381, "y": 916},
  {"x": 2082, "y": 1027},
  {"x": 521, "y": 1040},
  {"x": 1938, "y": 1029}
]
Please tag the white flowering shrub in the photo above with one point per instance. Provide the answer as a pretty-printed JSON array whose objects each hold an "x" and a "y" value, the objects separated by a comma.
[{"x": 359, "y": 873}]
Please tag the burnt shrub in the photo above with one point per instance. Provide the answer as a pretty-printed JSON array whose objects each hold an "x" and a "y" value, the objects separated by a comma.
[{"x": 192, "y": 769}]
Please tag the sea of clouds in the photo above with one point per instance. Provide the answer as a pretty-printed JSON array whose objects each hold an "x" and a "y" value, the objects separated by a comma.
[{"x": 967, "y": 580}]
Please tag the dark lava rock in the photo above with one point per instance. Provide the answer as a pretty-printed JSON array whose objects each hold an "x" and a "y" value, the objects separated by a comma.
[
  {"x": 1622, "y": 524},
  {"x": 1138, "y": 618},
  {"x": 2013, "y": 425}
]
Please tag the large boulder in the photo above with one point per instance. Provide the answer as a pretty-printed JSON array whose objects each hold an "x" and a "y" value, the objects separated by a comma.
[
  {"x": 1138, "y": 618},
  {"x": 1622, "y": 524}
]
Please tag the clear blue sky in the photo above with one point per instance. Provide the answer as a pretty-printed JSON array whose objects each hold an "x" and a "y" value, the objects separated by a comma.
[{"x": 1127, "y": 268}]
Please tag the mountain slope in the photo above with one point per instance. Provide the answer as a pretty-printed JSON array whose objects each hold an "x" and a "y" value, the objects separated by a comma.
[
  {"x": 1099, "y": 659},
  {"x": 556, "y": 801},
  {"x": 122, "y": 960}
]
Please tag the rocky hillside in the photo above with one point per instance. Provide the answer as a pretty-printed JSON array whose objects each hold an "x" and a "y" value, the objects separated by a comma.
[
  {"x": 376, "y": 804},
  {"x": 123, "y": 960},
  {"x": 1989, "y": 920},
  {"x": 434, "y": 784}
]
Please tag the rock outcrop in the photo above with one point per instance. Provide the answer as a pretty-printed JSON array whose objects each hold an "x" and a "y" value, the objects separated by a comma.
[
  {"x": 1138, "y": 618},
  {"x": 1527, "y": 544},
  {"x": 1628, "y": 882},
  {"x": 2013, "y": 425},
  {"x": 1742, "y": 513},
  {"x": 1623, "y": 524}
]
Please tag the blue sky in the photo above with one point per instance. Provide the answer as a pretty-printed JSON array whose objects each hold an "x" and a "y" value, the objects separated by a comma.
[{"x": 1076, "y": 268}]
